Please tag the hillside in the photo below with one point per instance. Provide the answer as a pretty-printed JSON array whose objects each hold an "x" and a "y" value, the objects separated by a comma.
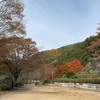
[{"x": 75, "y": 51}]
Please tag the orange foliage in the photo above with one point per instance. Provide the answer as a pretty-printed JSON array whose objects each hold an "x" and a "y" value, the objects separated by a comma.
[
  {"x": 50, "y": 71},
  {"x": 74, "y": 66},
  {"x": 94, "y": 48},
  {"x": 49, "y": 75},
  {"x": 59, "y": 70}
]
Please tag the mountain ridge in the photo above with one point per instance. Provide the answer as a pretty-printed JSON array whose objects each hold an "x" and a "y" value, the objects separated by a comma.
[{"x": 75, "y": 51}]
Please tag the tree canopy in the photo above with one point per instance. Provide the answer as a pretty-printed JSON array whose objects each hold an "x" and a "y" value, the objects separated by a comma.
[
  {"x": 18, "y": 55},
  {"x": 11, "y": 18}
]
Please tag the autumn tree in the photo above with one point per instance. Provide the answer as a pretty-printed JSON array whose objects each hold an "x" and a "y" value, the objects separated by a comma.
[
  {"x": 94, "y": 47},
  {"x": 11, "y": 18},
  {"x": 74, "y": 66},
  {"x": 48, "y": 71},
  {"x": 59, "y": 71},
  {"x": 18, "y": 56},
  {"x": 51, "y": 58}
]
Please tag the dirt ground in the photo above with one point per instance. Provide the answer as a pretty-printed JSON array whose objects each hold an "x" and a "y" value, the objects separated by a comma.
[{"x": 31, "y": 92}]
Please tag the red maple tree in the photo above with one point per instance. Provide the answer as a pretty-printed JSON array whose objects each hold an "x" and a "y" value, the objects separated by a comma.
[
  {"x": 74, "y": 66},
  {"x": 59, "y": 70},
  {"x": 49, "y": 75}
]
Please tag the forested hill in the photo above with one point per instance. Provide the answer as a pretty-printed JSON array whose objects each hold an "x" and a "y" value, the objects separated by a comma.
[{"x": 83, "y": 51}]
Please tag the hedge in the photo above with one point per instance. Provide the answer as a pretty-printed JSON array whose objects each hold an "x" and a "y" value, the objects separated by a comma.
[
  {"x": 78, "y": 80},
  {"x": 4, "y": 87},
  {"x": 19, "y": 84}
]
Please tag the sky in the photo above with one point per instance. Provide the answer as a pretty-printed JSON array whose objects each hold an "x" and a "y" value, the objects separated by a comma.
[{"x": 56, "y": 23}]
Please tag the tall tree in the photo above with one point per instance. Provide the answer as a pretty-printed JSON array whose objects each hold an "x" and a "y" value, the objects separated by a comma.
[
  {"x": 18, "y": 56},
  {"x": 94, "y": 47},
  {"x": 11, "y": 16}
]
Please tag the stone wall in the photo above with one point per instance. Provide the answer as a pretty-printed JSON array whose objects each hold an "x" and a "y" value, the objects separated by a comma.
[{"x": 95, "y": 87}]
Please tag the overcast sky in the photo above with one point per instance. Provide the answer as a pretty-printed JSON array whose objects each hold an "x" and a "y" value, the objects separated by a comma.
[{"x": 56, "y": 23}]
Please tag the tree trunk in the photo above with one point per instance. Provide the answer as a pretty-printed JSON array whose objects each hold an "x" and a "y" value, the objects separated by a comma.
[{"x": 15, "y": 80}]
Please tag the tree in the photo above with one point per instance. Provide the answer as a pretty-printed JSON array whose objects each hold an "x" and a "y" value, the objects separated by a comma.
[
  {"x": 49, "y": 69},
  {"x": 18, "y": 56},
  {"x": 94, "y": 47},
  {"x": 11, "y": 18},
  {"x": 59, "y": 71},
  {"x": 74, "y": 66},
  {"x": 51, "y": 58}
]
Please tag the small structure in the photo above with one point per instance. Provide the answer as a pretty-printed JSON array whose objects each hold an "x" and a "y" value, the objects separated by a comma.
[{"x": 7, "y": 80}]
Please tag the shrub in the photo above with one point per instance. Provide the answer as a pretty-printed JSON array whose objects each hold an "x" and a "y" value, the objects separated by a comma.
[
  {"x": 4, "y": 87},
  {"x": 46, "y": 81},
  {"x": 19, "y": 83},
  {"x": 1, "y": 82},
  {"x": 78, "y": 80}
]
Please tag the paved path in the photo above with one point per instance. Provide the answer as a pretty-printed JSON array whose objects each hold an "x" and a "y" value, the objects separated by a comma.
[{"x": 31, "y": 92}]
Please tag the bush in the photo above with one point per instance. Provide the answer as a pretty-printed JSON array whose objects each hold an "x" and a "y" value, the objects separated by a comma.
[
  {"x": 19, "y": 83},
  {"x": 1, "y": 82},
  {"x": 46, "y": 81},
  {"x": 4, "y": 87},
  {"x": 78, "y": 80}
]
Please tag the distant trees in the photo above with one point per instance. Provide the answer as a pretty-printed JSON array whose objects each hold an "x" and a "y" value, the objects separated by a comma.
[
  {"x": 18, "y": 55},
  {"x": 94, "y": 47},
  {"x": 71, "y": 52},
  {"x": 78, "y": 51},
  {"x": 51, "y": 57},
  {"x": 58, "y": 71},
  {"x": 50, "y": 72},
  {"x": 68, "y": 70},
  {"x": 11, "y": 16}
]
